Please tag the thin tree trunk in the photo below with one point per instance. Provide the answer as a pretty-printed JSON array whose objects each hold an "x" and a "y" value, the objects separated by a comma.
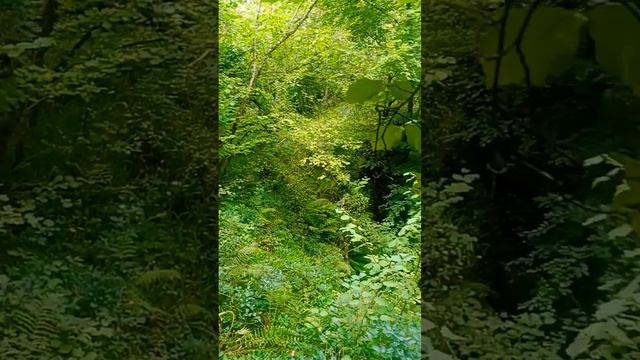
[{"x": 256, "y": 70}]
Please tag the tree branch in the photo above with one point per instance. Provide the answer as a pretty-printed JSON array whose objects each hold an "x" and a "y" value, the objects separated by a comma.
[
  {"x": 632, "y": 10},
  {"x": 257, "y": 68},
  {"x": 292, "y": 31},
  {"x": 501, "y": 38},
  {"x": 518, "y": 42}
]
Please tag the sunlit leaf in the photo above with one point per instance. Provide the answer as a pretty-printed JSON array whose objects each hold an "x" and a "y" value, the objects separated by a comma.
[
  {"x": 413, "y": 136},
  {"x": 392, "y": 137},
  {"x": 363, "y": 90},
  {"x": 401, "y": 89}
]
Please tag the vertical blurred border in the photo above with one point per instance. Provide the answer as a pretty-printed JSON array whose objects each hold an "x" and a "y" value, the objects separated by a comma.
[{"x": 215, "y": 180}]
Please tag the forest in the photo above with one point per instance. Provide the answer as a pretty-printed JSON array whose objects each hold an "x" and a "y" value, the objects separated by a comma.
[
  {"x": 534, "y": 119},
  {"x": 319, "y": 179},
  {"x": 107, "y": 180}
]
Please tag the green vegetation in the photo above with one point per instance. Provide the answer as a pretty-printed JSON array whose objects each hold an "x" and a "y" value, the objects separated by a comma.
[
  {"x": 106, "y": 175},
  {"x": 319, "y": 233},
  {"x": 530, "y": 192}
]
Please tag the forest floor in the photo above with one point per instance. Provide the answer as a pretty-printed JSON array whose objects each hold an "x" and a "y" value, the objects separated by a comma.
[{"x": 282, "y": 249}]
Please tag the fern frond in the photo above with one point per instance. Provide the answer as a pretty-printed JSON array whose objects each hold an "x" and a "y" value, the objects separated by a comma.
[
  {"x": 275, "y": 336},
  {"x": 158, "y": 275},
  {"x": 190, "y": 311}
]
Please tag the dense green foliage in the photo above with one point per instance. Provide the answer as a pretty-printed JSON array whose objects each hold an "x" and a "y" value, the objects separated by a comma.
[
  {"x": 530, "y": 189},
  {"x": 319, "y": 245},
  {"x": 107, "y": 170},
  {"x": 529, "y": 192}
]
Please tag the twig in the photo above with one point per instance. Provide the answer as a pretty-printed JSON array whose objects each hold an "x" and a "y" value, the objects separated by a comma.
[
  {"x": 634, "y": 12},
  {"x": 518, "y": 43},
  {"x": 141, "y": 42},
  {"x": 396, "y": 111},
  {"x": 292, "y": 31},
  {"x": 76, "y": 47},
  {"x": 201, "y": 57},
  {"x": 254, "y": 78},
  {"x": 614, "y": 213},
  {"x": 501, "y": 38}
]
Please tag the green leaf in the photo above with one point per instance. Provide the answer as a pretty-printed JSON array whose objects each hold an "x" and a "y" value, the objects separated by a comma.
[
  {"x": 630, "y": 289},
  {"x": 594, "y": 219},
  {"x": 438, "y": 355},
  {"x": 401, "y": 89},
  {"x": 413, "y": 136},
  {"x": 458, "y": 187},
  {"x": 390, "y": 284},
  {"x": 90, "y": 356},
  {"x": 427, "y": 325},
  {"x": 615, "y": 332},
  {"x": 392, "y": 137},
  {"x": 549, "y": 45},
  {"x": 4, "y": 280},
  {"x": 631, "y": 166},
  {"x": 598, "y": 180},
  {"x": 616, "y": 32},
  {"x": 620, "y": 231},
  {"x": 43, "y": 42},
  {"x": 610, "y": 308},
  {"x": 593, "y": 160},
  {"x": 363, "y": 90},
  {"x": 436, "y": 75},
  {"x": 13, "y": 51},
  {"x": 579, "y": 345},
  {"x": 447, "y": 333}
]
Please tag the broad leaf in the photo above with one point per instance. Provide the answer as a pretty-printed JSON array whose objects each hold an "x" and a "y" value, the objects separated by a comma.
[
  {"x": 413, "y": 136},
  {"x": 620, "y": 231},
  {"x": 610, "y": 308},
  {"x": 363, "y": 90},
  {"x": 392, "y": 137},
  {"x": 401, "y": 89},
  {"x": 579, "y": 345},
  {"x": 629, "y": 197},
  {"x": 616, "y": 32},
  {"x": 449, "y": 334},
  {"x": 549, "y": 45},
  {"x": 438, "y": 355}
]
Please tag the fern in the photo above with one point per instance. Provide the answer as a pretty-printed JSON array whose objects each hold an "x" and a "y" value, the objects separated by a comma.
[
  {"x": 38, "y": 323},
  {"x": 158, "y": 275},
  {"x": 121, "y": 246},
  {"x": 189, "y": 311},
  {"x": 275, "y": 336}
]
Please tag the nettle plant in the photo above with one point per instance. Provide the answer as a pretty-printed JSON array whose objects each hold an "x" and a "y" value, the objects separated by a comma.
[
  {"x": 396, "y": 122},
  {"x": 376, "y": 316},
  {"x": 370, "y": 318},
  {"x": 614, "y": 328}
]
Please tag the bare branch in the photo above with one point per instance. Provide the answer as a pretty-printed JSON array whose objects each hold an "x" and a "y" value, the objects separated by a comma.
[
  {"x": 518, "y": 42},
  {"x": 288, "y": 34},
  {"x": 501, "y": 39}
]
